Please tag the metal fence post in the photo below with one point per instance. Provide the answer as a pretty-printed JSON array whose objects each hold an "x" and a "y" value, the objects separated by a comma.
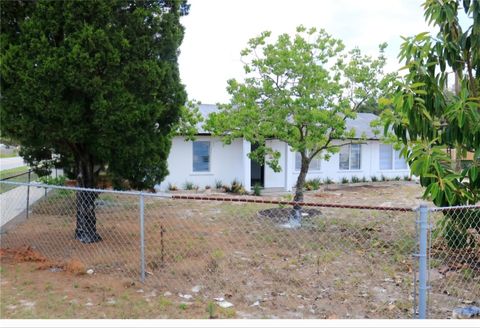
[
  {"x": 28, "y": 192},
  {"x": 422, "y": 264},
  {"x": 142, "y": 239}
]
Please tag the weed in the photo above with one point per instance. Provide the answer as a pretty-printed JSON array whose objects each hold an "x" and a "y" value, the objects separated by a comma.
[
  {"x": 257, "y": 189},
  {"x": 355, "y": 179},
  {"x": 344, "y": 180},
  {"x": 374, "y": 178},
  {"x": 328, "y": 181},
  {"x": 183, "y": 306},
  {"x": 228, "y": 313},
  {"x": 188, "y": 185},
  {"x": 48, "y": 286},
  {"x": 163, "y": 303},
  {"x": 217, "y": 254},
  {"x": 211, "y": 310},
  {"x": 397, "y": 178},
  {"x": 172, "y": 187}
]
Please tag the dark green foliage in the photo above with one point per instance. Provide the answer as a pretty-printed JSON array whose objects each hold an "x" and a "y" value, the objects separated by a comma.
[
  {"x": 406, "y": 178},
  {"x": 364, "y": 179},
  {"x": 188, "y": 185},
  {"x": 345, "y": 180},
  {"x": 355, "y": 179},
  {"x": 218, "y": 184},
  {"x": 456, "y": 225},
  {"x": 94, "y": 82},
  {"x": 374, "y": 178},
  {"x": 235, "y": 188}
]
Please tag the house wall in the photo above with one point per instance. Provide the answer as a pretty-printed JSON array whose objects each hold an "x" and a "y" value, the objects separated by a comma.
[
  {"x": 370, "y": 166},
  {"x": 226, "y": 163}
]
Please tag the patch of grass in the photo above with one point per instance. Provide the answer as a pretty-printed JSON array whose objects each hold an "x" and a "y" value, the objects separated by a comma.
[
  {"x": 183, "y": 306},
  {"x": 5, "y": 174},
  {"x": 228, "y": 313}
]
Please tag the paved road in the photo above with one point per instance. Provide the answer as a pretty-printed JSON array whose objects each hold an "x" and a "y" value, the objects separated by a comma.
[
  {"x": 14, "y": 202},
  {"x": 11, "y": 163}
]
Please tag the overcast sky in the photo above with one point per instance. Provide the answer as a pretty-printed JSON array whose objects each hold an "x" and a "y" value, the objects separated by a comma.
[{"x": 217, "y": 30}]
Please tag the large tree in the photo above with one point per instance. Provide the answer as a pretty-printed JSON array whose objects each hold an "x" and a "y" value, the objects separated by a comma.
[
  {"x": 436, "y": 108},
  {"x": 95, "y": 86},
  {"x": 299, "y": 90}
]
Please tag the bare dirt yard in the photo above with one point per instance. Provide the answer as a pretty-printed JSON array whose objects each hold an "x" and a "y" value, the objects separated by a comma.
[{"x": 217, "y": 259}]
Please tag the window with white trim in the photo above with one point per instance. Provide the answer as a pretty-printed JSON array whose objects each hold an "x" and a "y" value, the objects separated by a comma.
[
  {"x": 350, "y": 157},
  {"x": 390, "y": 159},
  {"x": 315, "y": 163},
  {"x": 201, "y": 156}
]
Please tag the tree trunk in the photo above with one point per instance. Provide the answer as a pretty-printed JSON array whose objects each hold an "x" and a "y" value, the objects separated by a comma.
[
  {"x": 86, "y": 231},
  {"x": 296, "y": 217}
]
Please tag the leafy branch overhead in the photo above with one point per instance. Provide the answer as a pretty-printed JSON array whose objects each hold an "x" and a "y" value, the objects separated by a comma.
[
  {"x": 298, "y": 89},
  {"x": 436, "y": 106}
]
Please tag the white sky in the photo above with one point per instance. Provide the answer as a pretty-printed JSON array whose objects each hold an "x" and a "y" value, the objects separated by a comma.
[{"x": 216, "y": 31}]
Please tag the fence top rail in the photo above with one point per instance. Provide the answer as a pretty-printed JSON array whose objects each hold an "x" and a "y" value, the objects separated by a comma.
[
  {"x": 453, "y": 208},
  {"x": 279, "y": 202},
  {"x": 132, "y": 193},
  {"x": 16, "y": 175}
]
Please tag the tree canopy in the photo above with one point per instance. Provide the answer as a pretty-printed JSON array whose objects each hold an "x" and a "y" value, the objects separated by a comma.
[
  {"x": 427, "y": 116},
  {"x": 94, "y": 82},
  {"x": 298, "y": 89}
]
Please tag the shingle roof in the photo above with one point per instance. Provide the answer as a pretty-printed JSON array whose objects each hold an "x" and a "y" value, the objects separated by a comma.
[{"x": 361, "y": 124}]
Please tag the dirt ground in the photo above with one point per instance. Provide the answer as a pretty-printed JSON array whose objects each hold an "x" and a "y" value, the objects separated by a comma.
[{"x": 342, "y": 263}]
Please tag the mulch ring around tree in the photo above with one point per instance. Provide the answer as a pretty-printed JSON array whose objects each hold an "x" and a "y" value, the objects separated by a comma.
[{"x": 279, "y": 215}]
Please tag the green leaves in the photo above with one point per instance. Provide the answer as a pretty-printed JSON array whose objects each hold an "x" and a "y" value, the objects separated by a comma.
[{"x": 427, "y": 116}]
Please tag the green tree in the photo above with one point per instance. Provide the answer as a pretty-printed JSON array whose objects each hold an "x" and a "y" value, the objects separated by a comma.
[
  {"x": 95, "y": 83},
  {"x": 299, "y": 90},
  {"x": 429, "y": 119}
]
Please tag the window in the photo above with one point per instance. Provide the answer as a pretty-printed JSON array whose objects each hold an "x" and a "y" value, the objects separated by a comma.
[
  {"x": 315, "y": 163},
  {"x": 390, "y": 159},
  {"x": 201, "y": 156},
  {"x": 350, "y": 157}
]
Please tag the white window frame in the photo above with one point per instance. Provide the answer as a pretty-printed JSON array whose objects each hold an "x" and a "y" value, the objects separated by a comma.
[
  {"x": 317, "y": 159},
  {"x": 395, "y": 154},
  {"x": 209, "y": 156},
  {"x": 350, "y": 158}
]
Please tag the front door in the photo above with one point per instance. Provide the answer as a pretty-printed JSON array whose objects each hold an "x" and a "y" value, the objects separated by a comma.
[{"x": 257, "y": 171}]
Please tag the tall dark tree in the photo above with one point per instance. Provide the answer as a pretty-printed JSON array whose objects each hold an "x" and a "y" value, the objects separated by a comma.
[{"x": 94, "y": 85}]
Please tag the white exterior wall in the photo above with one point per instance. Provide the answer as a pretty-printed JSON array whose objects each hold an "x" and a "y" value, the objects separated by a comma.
[
  {"x": 370, "y": 162},
  {"x": 226, "y": 163}
]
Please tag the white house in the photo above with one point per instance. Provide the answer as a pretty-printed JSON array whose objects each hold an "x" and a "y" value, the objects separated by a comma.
[{"x": 207, "y": 160}]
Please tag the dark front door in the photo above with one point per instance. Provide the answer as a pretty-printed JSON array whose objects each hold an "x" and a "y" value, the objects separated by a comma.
[{"x": 257, "y": 171}]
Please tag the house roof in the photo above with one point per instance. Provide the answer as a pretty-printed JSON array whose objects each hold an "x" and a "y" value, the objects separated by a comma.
[{"x": 361, "y": 123}]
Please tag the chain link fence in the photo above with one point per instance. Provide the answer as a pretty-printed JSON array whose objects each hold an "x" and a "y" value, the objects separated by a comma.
[{"x": 270, "y": 257}]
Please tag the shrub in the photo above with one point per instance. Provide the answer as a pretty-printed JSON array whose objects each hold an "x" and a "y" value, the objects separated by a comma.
[
  {"x": 218, "y": 184},
  {"x": 383, "y": 178},
  {"x": 374, "y": 178},
  {"x": 235, "y": 188},
  {"x": 344, "y": 180},
  {"x": 188, "y": 185},
  {"x": 364, "y": 179},
  {"x": 397, "y": 178},
  {"x": 172, "y": 187},
  {"x": 58, "y": 181},
  {"x": 257, "y": 189},
  {"x": 315, "y": 183},
  {"x": 207, "y": 187},
  {"x": 328, "y": 181},
  {"x": 355, "y": 179},
  {"x": 407, "y": 178}
]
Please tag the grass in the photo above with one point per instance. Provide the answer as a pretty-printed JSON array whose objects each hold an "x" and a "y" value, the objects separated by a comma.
[
  {"x": 3, "y": 155},
  {"x": 4, "y": 174}
]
